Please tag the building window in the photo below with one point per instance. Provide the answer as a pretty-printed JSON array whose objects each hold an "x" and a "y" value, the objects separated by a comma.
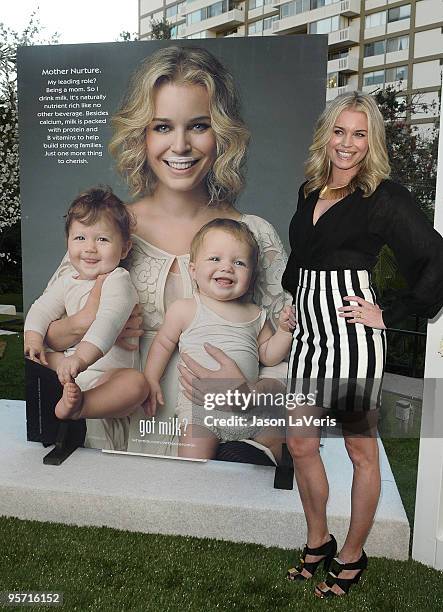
[
  {"x": 178, "y": 30},
  {"x": 287, "y": 10},
  {"x": 210, "y": 11},
  {"x": 399, "y": 43},
  {"x": 375, "y": 48},
  {"x": 319, "y": 3},
  {"x": 258, "y": 3},
  {"x": 377, "y": 77},
  {"x": 174, "y": 10},
  {"x": 256, "y": 27},
  {"x": 375, "y": 20},
  {"x": 339, "y": 54},
  {"x": 267, "y": 23},
  {"x": 336, "y": 79},
  {"x": 399, "y": 73},
  {"x": 332, "y": 80},
  {"x": 197, "y": 35},
  {"x": 398, "y": 13},
  {"x": 216, "y": 9},
  {"x": 171, "y": 11},
  {"x": 294, "y": 8},
  {"x": 194, "y": 17},
  {"x": 324, "y": 26}
]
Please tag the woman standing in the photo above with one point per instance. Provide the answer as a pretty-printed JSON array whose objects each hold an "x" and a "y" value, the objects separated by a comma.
[
  {"x": 347, "y": 210},
  {"x": 180, "y": 143}
]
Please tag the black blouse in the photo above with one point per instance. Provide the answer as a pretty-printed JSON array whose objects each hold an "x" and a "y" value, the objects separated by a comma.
[{"x": 350, "y": 234}]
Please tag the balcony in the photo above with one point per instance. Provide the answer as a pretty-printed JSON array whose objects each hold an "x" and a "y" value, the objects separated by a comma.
[
  {"x": 262, "y": 11},
  {"x": 223, "y": 21},
  {"x": 350, "y": 8},
  {"x": 347, "y": 8},
  {"x": 347, "y": 65},
  {"x": 344, "y": 37},
  {"x": 333, "y": 92}
]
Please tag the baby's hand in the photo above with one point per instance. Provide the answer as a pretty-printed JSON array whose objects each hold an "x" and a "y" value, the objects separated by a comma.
[
  {"x": 34, "y": 349},
  {"x": 154, "y": 398},
  {"x": 69, "y": 368},
  {"x": 286, "y": 320}
]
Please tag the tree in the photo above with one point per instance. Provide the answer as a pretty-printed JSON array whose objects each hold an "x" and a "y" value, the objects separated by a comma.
[
  {"x": 413, "y": 159},
  {"x": 126, "y": 36},
  {"x": 161, "y": 30},
  {"x": 9, "y": 160}
]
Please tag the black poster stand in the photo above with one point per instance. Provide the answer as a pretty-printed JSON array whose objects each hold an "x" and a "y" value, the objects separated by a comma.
[
  {"x": 284, "y": 473},
  {"x": 43, "y": 391}
]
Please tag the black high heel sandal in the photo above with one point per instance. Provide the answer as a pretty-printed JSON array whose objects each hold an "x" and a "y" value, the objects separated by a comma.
[
  {"x": 344, "y": 583},
  {"x": 327, "y": 550}
]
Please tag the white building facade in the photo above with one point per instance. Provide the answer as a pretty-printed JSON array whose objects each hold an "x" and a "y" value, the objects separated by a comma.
[{"x": 372, "y": 43}]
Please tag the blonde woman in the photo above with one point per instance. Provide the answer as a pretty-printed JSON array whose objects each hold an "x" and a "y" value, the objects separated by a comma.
[
  {"x": 347, "y": 209},
  {"x": 180, "y": 143}
]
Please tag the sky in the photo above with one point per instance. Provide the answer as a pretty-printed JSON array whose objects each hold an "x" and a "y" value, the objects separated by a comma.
[{"x": 77, "y": 21}]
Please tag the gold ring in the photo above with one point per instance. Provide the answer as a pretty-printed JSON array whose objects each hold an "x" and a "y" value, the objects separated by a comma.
[{"x": 358, "y": 314}]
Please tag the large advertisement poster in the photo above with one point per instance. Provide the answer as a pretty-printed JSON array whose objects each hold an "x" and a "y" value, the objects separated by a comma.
[{"x": 227, "y": 109}]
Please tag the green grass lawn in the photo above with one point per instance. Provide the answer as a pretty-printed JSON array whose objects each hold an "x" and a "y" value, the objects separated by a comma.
[
  {"x": 403, "y": 458},
  {"x": 12, "y": 368},
  {"x": 105, "y": 569},
  {"x": 16, "y": 299}
]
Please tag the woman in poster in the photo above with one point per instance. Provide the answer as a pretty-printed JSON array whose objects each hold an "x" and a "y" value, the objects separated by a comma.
[
  {"x": 347, "y": 209},
  {"x": 180, "y": 143}
]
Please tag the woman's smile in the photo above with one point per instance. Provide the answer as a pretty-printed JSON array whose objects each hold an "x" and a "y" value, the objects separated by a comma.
[
  {"x": 180, "y": 142},
  {"x": 348, "y": 145},
  {"x": 181, "y": 164}
]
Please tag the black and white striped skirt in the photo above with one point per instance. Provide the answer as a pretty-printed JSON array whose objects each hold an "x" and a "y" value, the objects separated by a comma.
[{"x": 340, "y": 363}]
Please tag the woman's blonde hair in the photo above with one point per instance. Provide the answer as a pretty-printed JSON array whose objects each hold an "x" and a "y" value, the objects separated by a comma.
[
  {"x": 374, "y": 167},
  {"x": 183, "y": 66}
]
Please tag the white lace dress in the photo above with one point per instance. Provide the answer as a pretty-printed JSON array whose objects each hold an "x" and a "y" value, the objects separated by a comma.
[{"x": 157, "y": 288}]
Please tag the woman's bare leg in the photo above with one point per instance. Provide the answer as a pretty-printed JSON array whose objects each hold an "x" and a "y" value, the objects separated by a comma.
[
  {"x": 304, "y": 446},
  {"x": 365, "y": 493},
  {"x": 117, "y": 394}
]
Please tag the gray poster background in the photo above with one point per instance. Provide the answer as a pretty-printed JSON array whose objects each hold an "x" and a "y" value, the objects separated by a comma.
[{"x": 282, "y": 87}]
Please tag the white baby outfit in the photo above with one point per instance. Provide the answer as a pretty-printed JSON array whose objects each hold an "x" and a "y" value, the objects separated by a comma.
[
  {"x": 117, "y": 300},
  {"x": 239, "y": 342}
]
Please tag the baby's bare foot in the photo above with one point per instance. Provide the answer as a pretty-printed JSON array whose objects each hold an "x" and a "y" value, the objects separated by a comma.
[{"x": 70, "y": 405}]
